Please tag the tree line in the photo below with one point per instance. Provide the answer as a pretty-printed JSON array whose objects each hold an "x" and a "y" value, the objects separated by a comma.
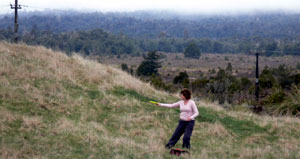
[{"x": 100, "y": 42}]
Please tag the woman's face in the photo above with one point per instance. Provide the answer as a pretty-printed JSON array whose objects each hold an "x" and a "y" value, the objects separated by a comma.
[{"x": 182, "y": 97}]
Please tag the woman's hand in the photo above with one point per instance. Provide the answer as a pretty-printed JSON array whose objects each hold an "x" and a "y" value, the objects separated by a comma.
[
  {"x": 157, "y": 104},
  {"x": 189, "y": 119}
]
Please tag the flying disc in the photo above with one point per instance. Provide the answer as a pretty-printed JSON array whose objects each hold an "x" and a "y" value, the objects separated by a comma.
[{"x": 153, "y": 102}]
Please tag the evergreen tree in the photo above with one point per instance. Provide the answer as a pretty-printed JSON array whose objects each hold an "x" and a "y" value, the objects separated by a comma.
[{"x": 150, "y": 65}]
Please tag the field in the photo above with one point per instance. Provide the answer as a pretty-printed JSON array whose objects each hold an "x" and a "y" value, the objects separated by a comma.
[
  {"x": 55, "y": 106},
  {"x": 243, "y": 65}
]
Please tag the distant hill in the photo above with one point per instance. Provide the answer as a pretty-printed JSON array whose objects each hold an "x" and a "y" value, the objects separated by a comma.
[
  {"x": 154, "y": 24},
  {"x": 118, "y": 33},
  {"x": 56, "y": 106}
]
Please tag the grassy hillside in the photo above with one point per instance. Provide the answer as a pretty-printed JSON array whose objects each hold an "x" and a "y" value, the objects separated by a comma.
[{"x": 55, "y": 106}]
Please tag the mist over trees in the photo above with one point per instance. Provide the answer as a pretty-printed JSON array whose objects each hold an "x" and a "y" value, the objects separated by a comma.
[
  {"x": 150, "y": 24},
  {"x": 137, "y": 32}
]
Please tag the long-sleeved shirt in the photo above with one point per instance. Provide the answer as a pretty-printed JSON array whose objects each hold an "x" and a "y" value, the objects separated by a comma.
[{"x": 186, "y": 110}]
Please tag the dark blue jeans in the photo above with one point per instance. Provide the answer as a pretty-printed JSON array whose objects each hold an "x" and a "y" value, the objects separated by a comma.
[{"x": 186, "y": 128}]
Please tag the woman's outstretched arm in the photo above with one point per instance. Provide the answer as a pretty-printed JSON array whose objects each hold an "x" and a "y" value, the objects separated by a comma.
[
  {"x": 195, "y": 110},
  {"x": 170, "y": 105}
]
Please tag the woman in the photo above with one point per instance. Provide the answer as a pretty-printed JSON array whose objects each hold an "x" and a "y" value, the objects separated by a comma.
[{"x": 188, "y": 113}]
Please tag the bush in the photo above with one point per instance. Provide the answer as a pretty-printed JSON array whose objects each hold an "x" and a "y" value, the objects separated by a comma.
[
  {"x": 229, "y": 68},
  {"x": 296, "y": 79},
  {"x": 266, "y": 79},
  {"x": 235, "y": 85},
  {"x": 219, "y": 90},
  {"x": 276, "y": 97},
  {"x": 158, "y": 83},
  {"x": 186, "y": 83},
  {"x": 213, "y": 71},
  {"x": 298, "y": 66},
  {"x": 221, "y": 74},
  {"x": 124, "y": 67},
  {"x": 283, "y": 75},
  {"x": 246, "y": 83},
  {"x": 290, "y": 106},
  {"x": 181, "y": 78},
  {"x": 199, "y": 84}
]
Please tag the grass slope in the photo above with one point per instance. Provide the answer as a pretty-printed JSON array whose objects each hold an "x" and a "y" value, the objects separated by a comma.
[{"x": 54, "y": 106}]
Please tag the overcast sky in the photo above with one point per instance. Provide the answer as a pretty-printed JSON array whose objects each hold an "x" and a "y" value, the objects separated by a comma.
[{"x": 198, "y": 6}]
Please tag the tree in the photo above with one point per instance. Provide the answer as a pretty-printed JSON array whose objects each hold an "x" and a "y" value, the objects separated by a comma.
[
  {"x": 218, "y": 47},
  {"x": 186, "y": 34},
  {"x": 150, "y": 65},
  {"x": 192, "y": 51},
  {"x": 229, "y": 68},
  {"x": 270, "y": 48}
]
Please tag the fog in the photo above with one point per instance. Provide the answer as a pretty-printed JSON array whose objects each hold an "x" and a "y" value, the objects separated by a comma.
[{"x": 180, "y": 6}]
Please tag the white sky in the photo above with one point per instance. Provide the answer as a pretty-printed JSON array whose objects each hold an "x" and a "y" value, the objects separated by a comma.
[{"x": 198, "y": 6}]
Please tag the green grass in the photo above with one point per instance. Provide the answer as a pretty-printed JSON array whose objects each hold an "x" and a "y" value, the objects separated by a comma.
[
  {"x": 240, "y": 128},
  {"x": 121, "y": 92}
]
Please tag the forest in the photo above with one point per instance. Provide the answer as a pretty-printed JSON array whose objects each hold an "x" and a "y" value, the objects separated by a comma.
[
  {"x": 134, "y": 33},
  {"x": 100, "y": 42}
]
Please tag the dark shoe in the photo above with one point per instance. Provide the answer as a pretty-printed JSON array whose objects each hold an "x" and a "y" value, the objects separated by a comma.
[{"x": 178, "y": 152}]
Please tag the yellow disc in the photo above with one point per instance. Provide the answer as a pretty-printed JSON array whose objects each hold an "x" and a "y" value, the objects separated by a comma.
[{"x": 153, "y": 102}]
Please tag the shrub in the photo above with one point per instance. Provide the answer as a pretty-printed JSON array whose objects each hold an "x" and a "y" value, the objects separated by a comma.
[
  {"x": 246, "y": 83},
  {"x": 180, "y": 78},
  {"x": 199, "y": 84},
  {"x": 213, "y": 71},
  {"x": 229, "y": 68},
  {"x": 186, "y": 83},
  {"x": 124, "y": 67},
  {"x": 266, "y": 79},
  {"x": 284, "y": 76},
  {"x": 296, "y": 79},
  {"x": 298, "y": 66},
  {"x": 158, "y": 83},
  {"x": 290, "y": 106},
  {"x": 276, "y": 97}
]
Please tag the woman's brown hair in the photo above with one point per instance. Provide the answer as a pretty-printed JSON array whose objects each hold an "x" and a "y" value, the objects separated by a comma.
[{"x": 186, "y": 93}]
